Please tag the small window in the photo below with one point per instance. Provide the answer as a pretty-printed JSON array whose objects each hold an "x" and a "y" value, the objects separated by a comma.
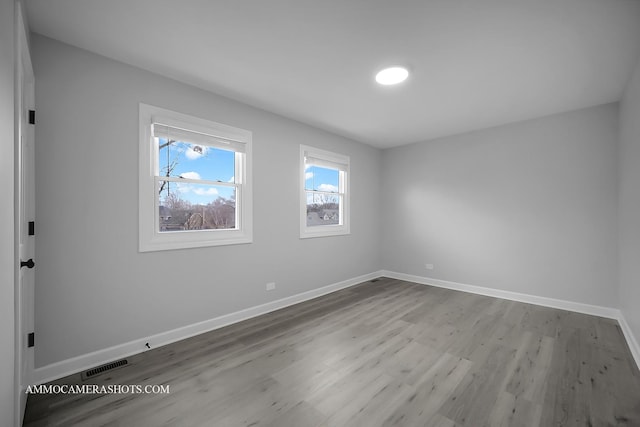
[
  {"x": 194, "y": 182},
  {"x": 324, "y": 193}
]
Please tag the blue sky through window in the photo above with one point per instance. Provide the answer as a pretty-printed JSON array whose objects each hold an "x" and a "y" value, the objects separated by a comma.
[
  {"x": 321, "y": 179},
  {"x": 194, "y": 161}
]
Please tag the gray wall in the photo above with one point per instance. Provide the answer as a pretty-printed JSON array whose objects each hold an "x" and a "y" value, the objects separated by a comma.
[
  {"x": 630, "y": 203},
  {"x": 94, "y": 290},
  {"x": 529, "y": 207},
  {"x": 7, "y": 385}
]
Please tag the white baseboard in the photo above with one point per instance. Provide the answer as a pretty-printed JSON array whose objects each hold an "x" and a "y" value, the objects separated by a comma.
[
  {"x": 594, "y": 310},
  {"x": 83, "y": 362},
  {"x": 631, "y": 339}
]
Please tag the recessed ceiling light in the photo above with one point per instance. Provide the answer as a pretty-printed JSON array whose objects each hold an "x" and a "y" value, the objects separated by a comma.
[{"x": 392, "y": 75}]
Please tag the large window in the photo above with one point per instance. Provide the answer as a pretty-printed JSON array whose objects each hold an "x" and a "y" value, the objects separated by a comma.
[
  {"x": 195, "y": 186},
  {"x": 324, "y": 202}
]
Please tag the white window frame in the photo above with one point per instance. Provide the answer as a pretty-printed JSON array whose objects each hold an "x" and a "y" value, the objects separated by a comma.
[
  {"x": 327, "y": 159},
  {"x": 150, "y": 238}
]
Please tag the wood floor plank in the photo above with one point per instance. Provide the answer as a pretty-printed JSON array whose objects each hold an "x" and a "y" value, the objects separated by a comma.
[
  {"x": 529, "y": 377},
  {"x": 433, "y": 389},
  {"x": 511, "y": 411},
  {"x": 472, "y": 401},
  {"x": 383, "y": 353}
]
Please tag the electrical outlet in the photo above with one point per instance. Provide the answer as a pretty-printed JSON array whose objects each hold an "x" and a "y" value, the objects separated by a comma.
[
  {"x": 429, "y": 266},
  {"x": 271, "y": 286}
]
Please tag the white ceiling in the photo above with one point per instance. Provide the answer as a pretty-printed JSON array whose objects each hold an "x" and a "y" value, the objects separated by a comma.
[{"x": 474, "y": 63}]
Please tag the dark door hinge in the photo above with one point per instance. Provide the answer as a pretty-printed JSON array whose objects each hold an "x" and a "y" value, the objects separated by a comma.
[
  {"x": 31, "y": 339},
  {"x": 32, "y": 228},
  {"x": 32, "y": 117}
]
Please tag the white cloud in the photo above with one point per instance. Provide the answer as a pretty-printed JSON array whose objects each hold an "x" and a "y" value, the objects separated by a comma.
[
  {"x": 190, "y": 175},
  {"x": 206, "y": 191},
  {"x": 308, "y": 175},
  {"x": 232, "y": 179},
  {"x": 196, "y": 151},
  {"x": 328, "y": 187},
  {"x": 186, "y": 187}
]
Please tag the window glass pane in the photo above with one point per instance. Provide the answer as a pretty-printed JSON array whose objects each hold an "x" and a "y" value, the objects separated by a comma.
[
  {"x": 321, "y": 179},
  {"x": 182, "y": 159},
  {"x": 323, "y": 209},
  {"x": 187, "y": 206}
]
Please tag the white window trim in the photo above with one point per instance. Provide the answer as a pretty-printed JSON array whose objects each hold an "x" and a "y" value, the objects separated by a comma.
[
  {"x": 324, "y": 230},
  {"x": 150, "y": 239}
]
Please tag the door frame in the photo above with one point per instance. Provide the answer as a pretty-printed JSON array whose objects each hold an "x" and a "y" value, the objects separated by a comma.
[{"x": 24, "y": 100}]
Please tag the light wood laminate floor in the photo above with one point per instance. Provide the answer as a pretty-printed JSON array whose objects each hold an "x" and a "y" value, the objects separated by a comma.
[{"x": 383, "y": 353}]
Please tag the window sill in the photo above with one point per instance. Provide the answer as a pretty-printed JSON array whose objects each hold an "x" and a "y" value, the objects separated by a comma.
[
  {"x": 324, "y": 232},
  {"x": 165, "y": 242}
]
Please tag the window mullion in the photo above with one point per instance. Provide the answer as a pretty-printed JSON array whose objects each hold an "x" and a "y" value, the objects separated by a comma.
[
  {"x": 195, "y": 181},
  {"x": 329, "y": 193}
]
